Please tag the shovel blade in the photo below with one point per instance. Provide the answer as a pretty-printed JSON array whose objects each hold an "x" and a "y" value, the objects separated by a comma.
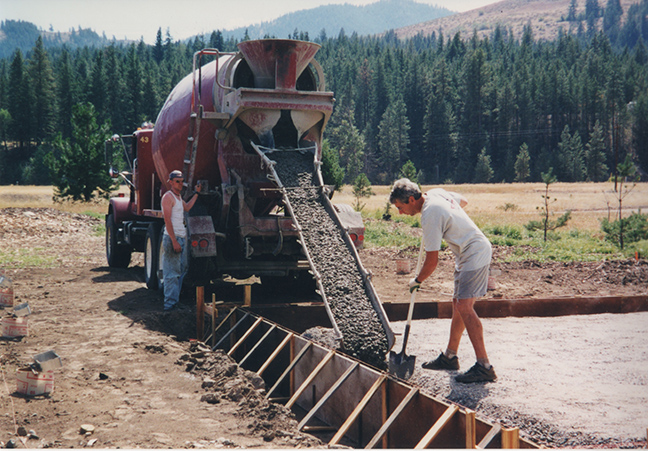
[{"x": 401, "y": 365}]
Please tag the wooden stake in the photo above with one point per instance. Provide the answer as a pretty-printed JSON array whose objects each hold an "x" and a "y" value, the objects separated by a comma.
[
  {"x": 471, "y": 430},
  {"x": 247, "y": 295},
  {"x": 200, "y": 313},
  {"x": 510, "y": 438},
  {"x": 214, "y": 315}
]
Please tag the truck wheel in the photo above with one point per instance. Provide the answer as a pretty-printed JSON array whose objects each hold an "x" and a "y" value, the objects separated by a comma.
[
  {"x": 118, "y": 255},
  {"x": 160, "y": 274},
  {"x": 152, "y": 256}
]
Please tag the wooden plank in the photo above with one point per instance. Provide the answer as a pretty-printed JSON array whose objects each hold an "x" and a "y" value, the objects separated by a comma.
[
  {"x": 290, "y": 368},
  {"x": 247, "y": 295},
  {"x": 229, "y": 315},
  {"x": 393, "y": 417},
  {"x": 231, "y": 331},
  {"x": 319, "y": 429},
  {"x": 200, "y": 313},
  {"x": 256, "y": 346},
  {"x": 214, "y": 315},
  {"x": 275, "y": 353},
  {"x": 327, "y": 395},
  {"x": 437, "y": 427},
  {"x": 471, "y": 429},
  {"x": 510, "y": 438},
  {"x": 385, "y": 409},
  {"x": 496, "y": 429},
  {"x": 310, "y": 378},
  {"x": 356, "y": 412},
  {"x": 245, "y": 336}
]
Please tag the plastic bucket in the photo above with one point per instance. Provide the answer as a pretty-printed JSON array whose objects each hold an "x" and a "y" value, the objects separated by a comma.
[
  {"x": 32, "y": 383},
  {"x": 403, "y": 266},
  {"x": 14, "y": 327}
]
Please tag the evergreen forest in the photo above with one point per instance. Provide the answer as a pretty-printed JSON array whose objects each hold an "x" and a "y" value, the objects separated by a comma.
[{"x": 453, "y": 109}]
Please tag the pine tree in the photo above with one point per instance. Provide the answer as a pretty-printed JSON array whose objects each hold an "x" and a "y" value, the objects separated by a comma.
[
  {"x": 65, "y": 95},
  {"x": 483, "y": 169},
  {"x": 332, "y": 172},
  {"x": 158, "y": 50},
  {"x": 361, "y": 188},
  {"x": 20, "y": 101},
  {"x": 522, "y": 166},
  {"x": 408, "y": 171},
  {"x": 597, "y": 170},
  {"x": 115, "y": 92},
  {"x": 612, "y": 20},
  {"x": 42, "y": 80},
  {"x": 570, "y": 157},
  {"x": 77, "y": 165},
  {"x": 98, "y": 86},
  {"x": 134, "y": 113},
  {"x": 350, "y": 144},
  {"x": 571, "y": 15},
  {"x": 393, "y": 138},
  {"x": 640, "y": 129}
]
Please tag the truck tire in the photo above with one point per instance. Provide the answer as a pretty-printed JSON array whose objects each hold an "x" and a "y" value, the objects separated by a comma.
[
  {"x": 152, "y": 260},
  {"x": 118, "y": 255},
  {"x": 160, "y": 274}
]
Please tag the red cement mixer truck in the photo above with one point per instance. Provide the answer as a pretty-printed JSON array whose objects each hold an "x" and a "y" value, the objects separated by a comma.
[{"x": 213, "y": 126}]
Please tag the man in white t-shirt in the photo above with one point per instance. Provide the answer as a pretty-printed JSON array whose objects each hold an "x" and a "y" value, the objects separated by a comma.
[
  {"x": 175, "y": 262},
  {"x": 443, "y": 218}
]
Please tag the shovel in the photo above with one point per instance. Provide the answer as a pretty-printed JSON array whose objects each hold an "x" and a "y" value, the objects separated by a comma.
[{"x": 402, "y": 365}]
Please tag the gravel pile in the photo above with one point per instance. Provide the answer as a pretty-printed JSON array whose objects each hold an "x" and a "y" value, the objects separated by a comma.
[{"x": 363, "y": 335}]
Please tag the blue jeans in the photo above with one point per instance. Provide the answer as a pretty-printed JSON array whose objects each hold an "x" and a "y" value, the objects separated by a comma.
[{"x": 174, "y": 268}]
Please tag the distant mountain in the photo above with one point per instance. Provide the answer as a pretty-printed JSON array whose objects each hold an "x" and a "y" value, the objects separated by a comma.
[
  {"x": 370, "y": 19},
  {"x": 546, "y": 18},
  {"x": 18, "y": 34}
]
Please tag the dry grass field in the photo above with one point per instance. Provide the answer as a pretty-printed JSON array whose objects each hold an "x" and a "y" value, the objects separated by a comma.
[
  {"x": 516, "y": 203},
  {"x": 488, "y": 204}
]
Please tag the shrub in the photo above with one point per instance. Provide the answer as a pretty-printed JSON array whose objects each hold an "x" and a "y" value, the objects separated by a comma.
[{"x": 635, "y": 228}]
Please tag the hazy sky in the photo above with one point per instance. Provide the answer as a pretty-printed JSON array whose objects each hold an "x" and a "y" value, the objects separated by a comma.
[{"x": 135, "y": 19}]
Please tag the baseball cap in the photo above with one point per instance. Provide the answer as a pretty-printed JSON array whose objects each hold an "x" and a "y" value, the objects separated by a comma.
[{"x": 175, "y": 175}]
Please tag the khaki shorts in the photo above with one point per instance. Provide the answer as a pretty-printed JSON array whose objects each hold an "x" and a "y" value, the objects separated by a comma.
[{"x": 471, "y": 284}]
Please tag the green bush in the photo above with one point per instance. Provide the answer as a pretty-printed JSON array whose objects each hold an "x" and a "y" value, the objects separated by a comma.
[{"x": 635, "y": 228}]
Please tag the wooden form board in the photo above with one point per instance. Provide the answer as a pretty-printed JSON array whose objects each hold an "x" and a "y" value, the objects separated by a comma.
[{"x": 360, "y": 405}]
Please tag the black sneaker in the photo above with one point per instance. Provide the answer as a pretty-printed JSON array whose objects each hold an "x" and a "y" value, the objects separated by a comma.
[
  {"x": 442, "y": 363},
  {"x": 477, "y": 373}
]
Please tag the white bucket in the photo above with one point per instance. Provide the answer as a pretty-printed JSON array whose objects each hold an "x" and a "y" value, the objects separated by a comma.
[
  {"x": 492, "y": 283},
  {"x": 32, "y": 383},
  {"x": 403, "y": 266},
  {"x": 48, "y": 360},
  {"x": 14, "y": 327},
  {"x": 6, "y": 292}
]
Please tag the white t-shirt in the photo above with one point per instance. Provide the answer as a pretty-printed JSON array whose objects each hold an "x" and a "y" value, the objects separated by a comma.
[
  {"x": 443, "y": 218},
  {"x": 177, "y": 218}
]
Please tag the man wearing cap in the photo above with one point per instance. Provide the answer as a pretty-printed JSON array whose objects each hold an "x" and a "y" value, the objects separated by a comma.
[
  {"x": 443, "y": 218},
  {"x": 174, "y": 241}
]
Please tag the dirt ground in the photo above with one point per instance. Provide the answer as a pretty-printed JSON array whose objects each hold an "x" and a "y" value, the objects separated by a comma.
[{"x": 130, "y": 371}]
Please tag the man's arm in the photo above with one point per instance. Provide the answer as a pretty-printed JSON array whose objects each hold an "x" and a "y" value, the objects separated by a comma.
[
  {"x": 189, "y": 205},
  {"x": 429, "y": 265}
]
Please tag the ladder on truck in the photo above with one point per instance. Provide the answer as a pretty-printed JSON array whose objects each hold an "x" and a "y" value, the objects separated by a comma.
[{"x": 196, "y": 116}]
